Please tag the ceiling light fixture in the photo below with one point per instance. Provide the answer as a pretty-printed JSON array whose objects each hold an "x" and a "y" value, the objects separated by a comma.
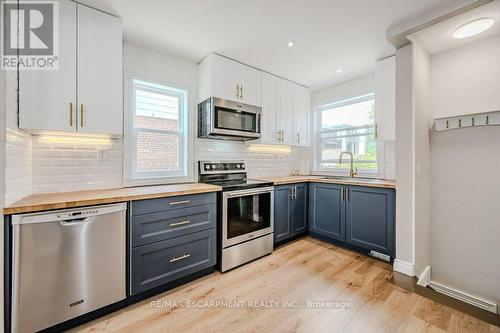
[
  {"x": 290, "y": 43},
  {"x": 473, "y": 28},
  {"x": 339, "y": 70}
]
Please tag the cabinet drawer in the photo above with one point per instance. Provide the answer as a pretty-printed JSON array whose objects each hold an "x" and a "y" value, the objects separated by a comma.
[
  {"x": 156, "y": 264},
  {"x": 154, "y": 227},
  {"x": 163, "y": 204}
]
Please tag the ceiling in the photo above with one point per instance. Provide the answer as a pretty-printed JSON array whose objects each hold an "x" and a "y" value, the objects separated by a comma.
[
  {"x": 328, "y": 34},
  {"x": 438, "y": 38}
]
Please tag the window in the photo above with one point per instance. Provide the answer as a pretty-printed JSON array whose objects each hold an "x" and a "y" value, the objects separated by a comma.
[
  {"x": 157, "y": 133},
  {"x": 347, "y": 126}
]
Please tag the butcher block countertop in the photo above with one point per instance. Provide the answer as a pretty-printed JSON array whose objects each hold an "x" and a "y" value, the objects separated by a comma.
[
  {"x": 283, "y": 180},
  {"x": 50, "y": 201}
]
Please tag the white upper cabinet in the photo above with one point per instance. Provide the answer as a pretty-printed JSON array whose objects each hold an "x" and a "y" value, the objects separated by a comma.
[
  {"x": 47, "y": 98},
  {"x": 301, "y": 116},
  {"x": 285, "y": 113},
  {"x": 100, "y": 83},
  {"x": 285, "y": 121},
  {"x": 385, "y": 99},
  {"x": 228, "y": 79},
  {"x": 269, "y": 128},
  {"x": 86, "y": 93}
]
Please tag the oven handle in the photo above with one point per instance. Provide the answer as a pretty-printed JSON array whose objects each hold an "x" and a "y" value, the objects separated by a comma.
[{"x": 242, "y": 193}]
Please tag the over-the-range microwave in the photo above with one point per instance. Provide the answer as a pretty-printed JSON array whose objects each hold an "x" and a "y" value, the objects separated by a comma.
[{"x": 228, "y": 120}]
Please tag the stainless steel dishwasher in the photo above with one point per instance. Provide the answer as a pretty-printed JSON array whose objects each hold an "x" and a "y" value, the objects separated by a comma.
[{"x": 66, "y": 263}]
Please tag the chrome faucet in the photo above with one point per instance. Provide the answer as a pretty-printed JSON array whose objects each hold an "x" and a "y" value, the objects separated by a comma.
[{"x": 352, "y": 173}]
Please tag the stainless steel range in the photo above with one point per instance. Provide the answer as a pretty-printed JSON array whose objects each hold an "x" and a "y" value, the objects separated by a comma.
[{"x": 246, "y": 212}]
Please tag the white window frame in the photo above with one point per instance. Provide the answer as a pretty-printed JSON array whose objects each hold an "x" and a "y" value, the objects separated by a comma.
[
  {"x": 185, "y": 173},
  {"x": 317, "y": 170}
]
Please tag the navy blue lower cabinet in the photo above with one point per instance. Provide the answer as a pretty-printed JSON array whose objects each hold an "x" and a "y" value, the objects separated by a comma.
[
  {"x": 159, "y": 263},
  {"x": 327, "y": 210},
  {"x": 290, "y": 211},
  {"x": 282, "y": 213},
  {"x": 370, "y": 220},
  {"x": 300, "y": 209}
]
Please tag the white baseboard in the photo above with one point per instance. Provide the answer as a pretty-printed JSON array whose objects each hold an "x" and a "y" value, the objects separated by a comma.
[
  {"x": 464, "y": 297},
  {"x": 425, "y": 277},
  {"x": 404, "y": 267}
]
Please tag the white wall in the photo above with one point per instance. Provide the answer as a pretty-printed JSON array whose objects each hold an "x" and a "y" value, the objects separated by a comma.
[
  {"x": 465, "y": 223},
  {"x": 423, "y": 123},
  {"x": 353, "y": 88},
  {"x": 405, "y": 199},
  {"x": 466, "y": 79}
]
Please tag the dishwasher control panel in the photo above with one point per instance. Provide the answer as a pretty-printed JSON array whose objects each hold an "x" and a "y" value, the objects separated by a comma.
[{"x": 77, "y": 214}]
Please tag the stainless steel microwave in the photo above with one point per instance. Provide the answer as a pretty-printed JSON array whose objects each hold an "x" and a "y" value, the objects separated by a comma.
[{"x": 227, "y": 120}]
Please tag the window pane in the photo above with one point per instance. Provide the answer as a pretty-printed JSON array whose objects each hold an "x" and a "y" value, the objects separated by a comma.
[
  {"x": 348, "y": 128},
  {"x": 157, "y": 152},
  {"x": 156, "y": 110}
]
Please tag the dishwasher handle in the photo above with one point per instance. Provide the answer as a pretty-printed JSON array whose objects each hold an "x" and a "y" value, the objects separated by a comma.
[{"x": 71, "y": 222}]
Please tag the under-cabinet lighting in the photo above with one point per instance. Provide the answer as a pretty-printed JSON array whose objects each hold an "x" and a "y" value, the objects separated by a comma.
[
  {"x": 270, "y": 149},
  {"x": 340, "y": 70},
  {"x": 473, "y": 28},
  {"x": 99, "y": 140}
]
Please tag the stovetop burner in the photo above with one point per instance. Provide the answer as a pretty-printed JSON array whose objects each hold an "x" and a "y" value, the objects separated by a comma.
[
  {"x": 239, "y": 184},
  {"x": 230, "y": 175}
]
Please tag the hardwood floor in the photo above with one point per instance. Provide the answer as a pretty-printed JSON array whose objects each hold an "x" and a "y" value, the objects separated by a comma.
[{"x": 302, "y": 271}]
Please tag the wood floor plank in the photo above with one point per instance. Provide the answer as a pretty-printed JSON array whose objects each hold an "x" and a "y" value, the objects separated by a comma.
[{"x": 296, "y": 276}]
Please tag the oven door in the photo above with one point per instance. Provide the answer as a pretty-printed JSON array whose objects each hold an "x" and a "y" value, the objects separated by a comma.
[
  {"x": 234, "y": 122},
  {"x": 247, "y": 214}
]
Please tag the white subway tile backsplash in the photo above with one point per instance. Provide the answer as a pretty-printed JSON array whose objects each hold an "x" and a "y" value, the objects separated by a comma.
[{"x": 73, "y": 166}]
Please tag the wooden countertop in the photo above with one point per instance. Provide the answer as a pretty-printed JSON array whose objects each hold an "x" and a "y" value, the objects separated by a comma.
[
  {"x": 50, "y": 201},
  {"x": 282, "y": 180}
]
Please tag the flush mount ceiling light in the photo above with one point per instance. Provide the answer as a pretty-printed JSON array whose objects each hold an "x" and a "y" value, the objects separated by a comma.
[
  {"x": 473, "y": 28},
  {"x": 339, "y": 70},
  {"x": 290, "y": 43}
]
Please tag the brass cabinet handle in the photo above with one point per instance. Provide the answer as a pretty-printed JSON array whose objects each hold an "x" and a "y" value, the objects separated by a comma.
[
  {"x": 179, "y": 202},
  {"x": 376, "y": 131},
  {"x": 241, "y": 91},
  {"x": 237, "y": 90},
  {"x": 298, "y": 137},
  {"x": 179, "y": 223},
  {"x": 81, "y": 115},
  {"x": 70, "y": 114},
  {"x": 174, "y": 259}
]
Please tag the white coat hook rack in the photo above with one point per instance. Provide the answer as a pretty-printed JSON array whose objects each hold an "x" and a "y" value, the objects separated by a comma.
[{"x": 470, "y": 120}]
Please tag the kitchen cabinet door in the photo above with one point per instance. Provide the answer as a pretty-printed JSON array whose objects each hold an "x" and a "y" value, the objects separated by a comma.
[
  {"x": 47, "y": 98},
  {"x": 285, "y": 111},
  {"x": 100, "y": 80},
  {"x": 385, "y": 99},
  {"x": 282, "y": 213},
  {"x": 301, "y": 116},
  {"x": 269, "y": 131},
  {"x": 370, "y": 218},
  {"x": 225, "y": 76},
  {"x": 300, "y": 209},
  {"x": 251, "y": 85},
  {"x": 327, "y": 210}
]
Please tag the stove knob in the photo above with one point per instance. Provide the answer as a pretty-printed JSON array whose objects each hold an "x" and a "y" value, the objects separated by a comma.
[
  {"x": 243, "y": 166},
  {"x": 238, "y": 166},
  {"x": 214, "y": 166},
  {"x": 207, "y": 167}
]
